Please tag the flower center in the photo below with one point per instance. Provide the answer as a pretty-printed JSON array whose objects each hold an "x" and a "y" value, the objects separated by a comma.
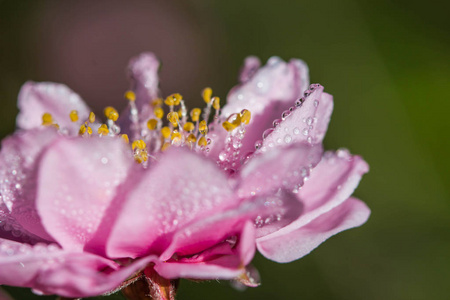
[{"x": 168, "y": 125}]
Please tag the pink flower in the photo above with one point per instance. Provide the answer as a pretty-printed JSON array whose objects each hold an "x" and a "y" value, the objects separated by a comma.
[{"x": 82, "y": 212}]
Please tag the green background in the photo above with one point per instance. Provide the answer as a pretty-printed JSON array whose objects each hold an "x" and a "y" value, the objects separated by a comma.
[{"x": 387, "y": 63}]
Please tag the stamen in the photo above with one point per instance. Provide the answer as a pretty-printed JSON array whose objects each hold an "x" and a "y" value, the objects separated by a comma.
[
  {"x": 111, "y": 113},
  {"x": 85, "y": 129},
  {"x": 73, "y": 115},
  {"x": 91, "y": 117},
  {"x": 130, "y": 96},
  {"x": 216, "y": 103},
  {"x": 152, "y": 124},
  {"x": 202, "y": 142},
  {"x": 173, "y": 118},
  {"x": 138, "y": 144},
  {"x": 157, "y": 102},
  {"x": 188, "y": 126},
  {"x": 165, "y": 131},
  {"x": 246, "y": 116},
  {"x": 206, "y": 94},
  {"x": 232, "y": 122},
  {"x": 159, "y": 112},
  {"x": 103, "y": 130},
  {"x": 47, "y": 119},
  {"x": 203, "y": 127},
  {"x": 195, "y": 114},
  {"x": 125, "y": 138}
]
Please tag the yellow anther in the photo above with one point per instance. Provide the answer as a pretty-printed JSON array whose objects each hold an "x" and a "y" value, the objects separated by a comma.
[
  {"x": 111, "y": 113},
  {"x": 55, "y": 125},
  {"x": 228, "y": 126},
  {"x": 165, "y": 146},
  {"x": 91, "y": 117},
  {"x": 232, "y": 122},
  {"x": 125, "y": 138},
  {"x": 195, "y": 114},
  {"x": 206, "y": 94},
  {"x": 202, "y": 141},
  {"x": 157, "y": 102},
  {"x": 47, "y": 119},
  {"x": 139, "y": 144},
  {"x": 103, "y": 129},
  {"x": 73, "y": 116},
  {"x": 130, "y": 96},
  {"x": 216, "y": 103},
  {"x": 159, "y": 112},
  {"x": 203, "y": 127},
  {"x": 144, "y": 155},
  {"x": 191, "y": 138},
  {"x": 173, "y": 118},
  {"x": 165, "y": 131},
  {"x": 188, "y": 126},
  {"x": 175, "y": 135},
  {"x": 246, "y": 116},
  {"x": 173, "y": 99},
  {"x": 82, "y": 129},
  {"x": 152, "y": 123},
  {"x": 180, "y": 113},
  {"x": 85, "y": 129}
]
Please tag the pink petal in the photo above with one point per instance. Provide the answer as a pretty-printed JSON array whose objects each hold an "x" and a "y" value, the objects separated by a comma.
[
  {"x": 307, "y": 122},
  {"x": 50, "y": 270},
  {"x": 180, "y": 188},
  {"x": 270, "y": 91},
  {"x": 35, "y": 99},
  {"x": 300, "y": 242},
  {"x": 143, "y": 74},
  {"x": 332, "y": 182},
  {"x": 250, "y": 67},
  {"x": 221, "y": 261},
  {"x": 278, "y": 168},
  {"x": 78, "y": 180},
  {"x": 19, "y": 159}
]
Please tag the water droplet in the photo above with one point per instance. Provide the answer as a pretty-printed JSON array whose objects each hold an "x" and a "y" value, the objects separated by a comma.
[
  {"x": 285, "y": 114},
  {"x": 287, "y": 139},
  {"x": 104, "y": 160},
  {"x": 296, "y": 130},
  {"x": 298, "y": 102},
  {"x": 276, "y": 122},
  {"x": 305, "y": 132},
  {"x": 279, "y": 141},
  {"x": 258, "y": 145},
  {"x": 309, "y": 120},
  {"x": 223, "y": 156},
  {"x": 267, "y": 132},
  {"x": 316, "y": 103}
]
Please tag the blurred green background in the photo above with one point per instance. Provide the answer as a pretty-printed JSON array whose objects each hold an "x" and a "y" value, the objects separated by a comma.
[{"x": 387, "y": 63}]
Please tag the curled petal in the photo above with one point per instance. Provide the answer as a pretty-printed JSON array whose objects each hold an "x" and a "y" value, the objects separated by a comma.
[
  {"x": 178, "y": 189},
  {"x": 269, "y": 91},
  {"x": 78, "y": 180},
  {"x": 224, "y": 260},
  {"x": 300, "y": 242},
  {"x": 307, "y": 122},
  {"x": 37, "y": 98}
]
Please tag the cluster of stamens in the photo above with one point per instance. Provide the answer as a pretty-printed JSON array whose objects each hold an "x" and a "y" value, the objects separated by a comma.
[{"x": 170, "y": 125}]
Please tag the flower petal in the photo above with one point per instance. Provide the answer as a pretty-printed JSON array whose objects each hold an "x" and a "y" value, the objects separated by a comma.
[
  {"x": 280, "y": 168},
  {"x": 332, "y": 182},
  {"x": 266, "y": 94},
  {"x": 50, "y": 270},
  {"x": 143, "y": 73},
  {"x": 300, "y": 242},
  {"x": 222, "y": 261},
  {"x": 37, "y": 98},
  {"x": 19, "y": 159},
  {"x": 180, "y": 188},
  {"x": 78, "y": 180},
  {"x": 307, "y": 122}
]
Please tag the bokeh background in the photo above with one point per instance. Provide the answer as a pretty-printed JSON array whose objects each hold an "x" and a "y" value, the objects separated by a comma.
[{"x": 387, "y": 63}]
